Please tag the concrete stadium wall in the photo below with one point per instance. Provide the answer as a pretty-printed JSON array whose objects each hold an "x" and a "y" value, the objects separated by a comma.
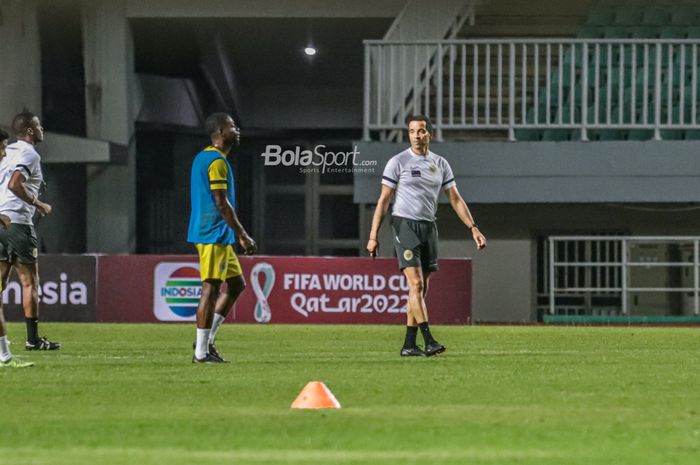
[
  {"x": 551, "y": 172},
  {"x": 521, "y": 192},
  {"x": 502, "y": 280}
]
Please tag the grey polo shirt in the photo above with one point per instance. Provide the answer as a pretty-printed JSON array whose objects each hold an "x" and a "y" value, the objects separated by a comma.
[{"x": 418, "y": 180}]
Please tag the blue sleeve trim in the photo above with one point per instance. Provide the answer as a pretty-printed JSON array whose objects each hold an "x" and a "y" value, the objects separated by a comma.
[
  {"x": 389, "y": 179},
  {"x": 447, "y": 182}
]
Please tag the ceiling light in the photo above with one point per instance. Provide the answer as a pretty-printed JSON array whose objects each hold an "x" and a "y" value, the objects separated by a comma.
[{"x": 310, "y": 51}]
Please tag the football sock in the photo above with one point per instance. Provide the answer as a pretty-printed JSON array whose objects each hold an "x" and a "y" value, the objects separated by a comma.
[
  {"x": 425, "y": 331},
  {"x": 5, "y": 354},
  {"x": 202, "y": 346},
  {"x": 218, "y": 319},
  {"x": 410, "y": 341},
  {"x": 32, "y": 329}
]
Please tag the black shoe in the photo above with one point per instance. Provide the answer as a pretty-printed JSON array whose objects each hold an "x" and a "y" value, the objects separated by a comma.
[
  {"x": 414, "y": 351},
  {"x": 42, "y": 344},
  {"x": 213, "y": 352},
  {"x": 208, "y": 358},
  {"x": 434, "y": 348}
]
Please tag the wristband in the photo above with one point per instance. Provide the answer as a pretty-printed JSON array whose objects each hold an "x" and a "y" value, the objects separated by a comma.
[{"x": 474, "y": 226}]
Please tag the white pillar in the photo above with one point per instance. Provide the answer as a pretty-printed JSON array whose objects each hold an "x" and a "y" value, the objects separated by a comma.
[
  {"x": 20, "y": 59},
  {"x": 109, "y": 85}
]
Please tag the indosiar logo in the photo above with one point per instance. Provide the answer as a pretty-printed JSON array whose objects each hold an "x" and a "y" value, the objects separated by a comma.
[{"x": 176, "y": 291}]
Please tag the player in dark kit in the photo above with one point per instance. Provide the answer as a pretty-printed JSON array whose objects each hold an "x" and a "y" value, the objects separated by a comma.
[{"x": 414, "y": 179}]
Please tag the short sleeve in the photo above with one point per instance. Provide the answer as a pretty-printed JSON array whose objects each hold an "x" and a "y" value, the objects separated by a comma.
[
  {"x": 218, "y": 174},
  {"x": 448, "y": 179},
  {"x": 26, "y": 163},
  {"x": 392, "y": 172}
]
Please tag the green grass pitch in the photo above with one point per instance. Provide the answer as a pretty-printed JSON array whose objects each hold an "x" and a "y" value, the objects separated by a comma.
[{"x": 129, "y": 394}]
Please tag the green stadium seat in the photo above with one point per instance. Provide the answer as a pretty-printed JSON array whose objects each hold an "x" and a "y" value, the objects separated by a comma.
[
  {"x": 693, "y": 32},
  {"x": 688, "y": 111},
  {"x": 528, "y": 135},
  {"x": 616, "y": 32},
  {"x": 606, "y": 134},
  {"x": 577, "y": 54},
  {"x": 613, "y": 75},
  {"x": 626, "y": 116},
  {"x": 628, "y": 15},
  {"x": 672, "y": 134},
  {"x": 684, "y": 15},
  {"x": 656, "y": 16},
  {"x": 644, "y": 32},
  {"x": 556, "y": 135},
  {"x": 672, "y": 32},
  {"x": 689, "y": 88},
  {"x": 640, "y": 134},
  {"x": 601, "y": 16},
  {"x": 692, "y": 134},
  {"x": 590, "y": 32},
  {"x": 565, "y": 76}
]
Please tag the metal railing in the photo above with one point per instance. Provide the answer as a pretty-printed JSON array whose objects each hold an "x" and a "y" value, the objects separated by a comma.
[
  {"x": 443, "y": 20},
  {"x": 626, "y": 266},
  {"x": 511, "y": 84}
]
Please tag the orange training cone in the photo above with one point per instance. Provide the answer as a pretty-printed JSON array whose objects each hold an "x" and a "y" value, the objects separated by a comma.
[{"x": 315, "y": 395}]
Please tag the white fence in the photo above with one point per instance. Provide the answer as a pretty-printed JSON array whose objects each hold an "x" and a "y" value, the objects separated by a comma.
[
  {"x": 649, "y": 275},
  {"x": 512, "y": 84}
]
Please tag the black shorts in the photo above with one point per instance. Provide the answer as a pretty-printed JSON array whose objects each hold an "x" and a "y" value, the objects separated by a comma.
[
  {"x": 416, "y": 243},
  {"x": 18, "y": 244}
]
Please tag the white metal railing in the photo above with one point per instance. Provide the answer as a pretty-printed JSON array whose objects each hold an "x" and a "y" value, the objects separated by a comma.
[
  {"x": 625, "y": 266},
  {"x": 442, "y": 21},
  {"x": 511, "y": 84}
]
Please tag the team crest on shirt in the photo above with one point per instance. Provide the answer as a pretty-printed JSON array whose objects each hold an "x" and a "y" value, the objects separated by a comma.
[
  {"x": 35, "y": 252},
  {"x": 433, "y": 168},
  {"x": 408, "y": 255}
]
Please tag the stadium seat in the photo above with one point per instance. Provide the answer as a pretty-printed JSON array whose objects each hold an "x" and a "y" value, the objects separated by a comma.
[
  {"x": 628, "y": 16},
  {"x": 601, "y": 16},
  {"x": 692, "y": 134},
  {"x": 693, "y": 32},
  {"x": 590, "y": 32},
  {"x": 528, "y": 135},
  {"x": 656, "y": 16},
  {"x": 556, "y": 135},
  {"x": 616, "y": 32},
  {"x": 606, "y": 134},
  {"x": 672, "y": 134},
  {"x": 644, "y": 32},
  {"x": 684, "y": 15},
  {"x": 640, "y": 134},
  {"x": 672, "y": 32}
]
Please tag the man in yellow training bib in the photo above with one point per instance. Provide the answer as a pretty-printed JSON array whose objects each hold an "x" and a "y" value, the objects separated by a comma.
[{"x": 214, "y": 228}]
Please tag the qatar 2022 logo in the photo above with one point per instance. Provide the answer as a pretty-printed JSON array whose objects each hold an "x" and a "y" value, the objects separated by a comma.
[{"x": 176, "y": 291}]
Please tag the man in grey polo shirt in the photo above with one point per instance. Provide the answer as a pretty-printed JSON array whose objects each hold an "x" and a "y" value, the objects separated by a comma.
[{"x": 415, "y": 178}]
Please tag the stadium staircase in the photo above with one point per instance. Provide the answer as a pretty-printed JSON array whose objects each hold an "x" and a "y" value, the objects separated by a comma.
[{"x": 618, "y": 88}]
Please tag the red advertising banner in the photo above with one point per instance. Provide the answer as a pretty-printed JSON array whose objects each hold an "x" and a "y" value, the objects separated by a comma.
[
  {"x": 67, "y": 289},
  {"x": 301, "y": 290}
]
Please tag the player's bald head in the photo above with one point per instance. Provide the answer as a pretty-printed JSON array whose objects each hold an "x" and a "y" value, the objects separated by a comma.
[{"x": 216, "y": 122}]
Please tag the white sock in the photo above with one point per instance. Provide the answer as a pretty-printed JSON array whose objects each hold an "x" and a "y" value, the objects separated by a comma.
[
  {"x": 5, "y": 354},
  {"x": 216, "y": 324},
  {"x": 202, "y": 346}
]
